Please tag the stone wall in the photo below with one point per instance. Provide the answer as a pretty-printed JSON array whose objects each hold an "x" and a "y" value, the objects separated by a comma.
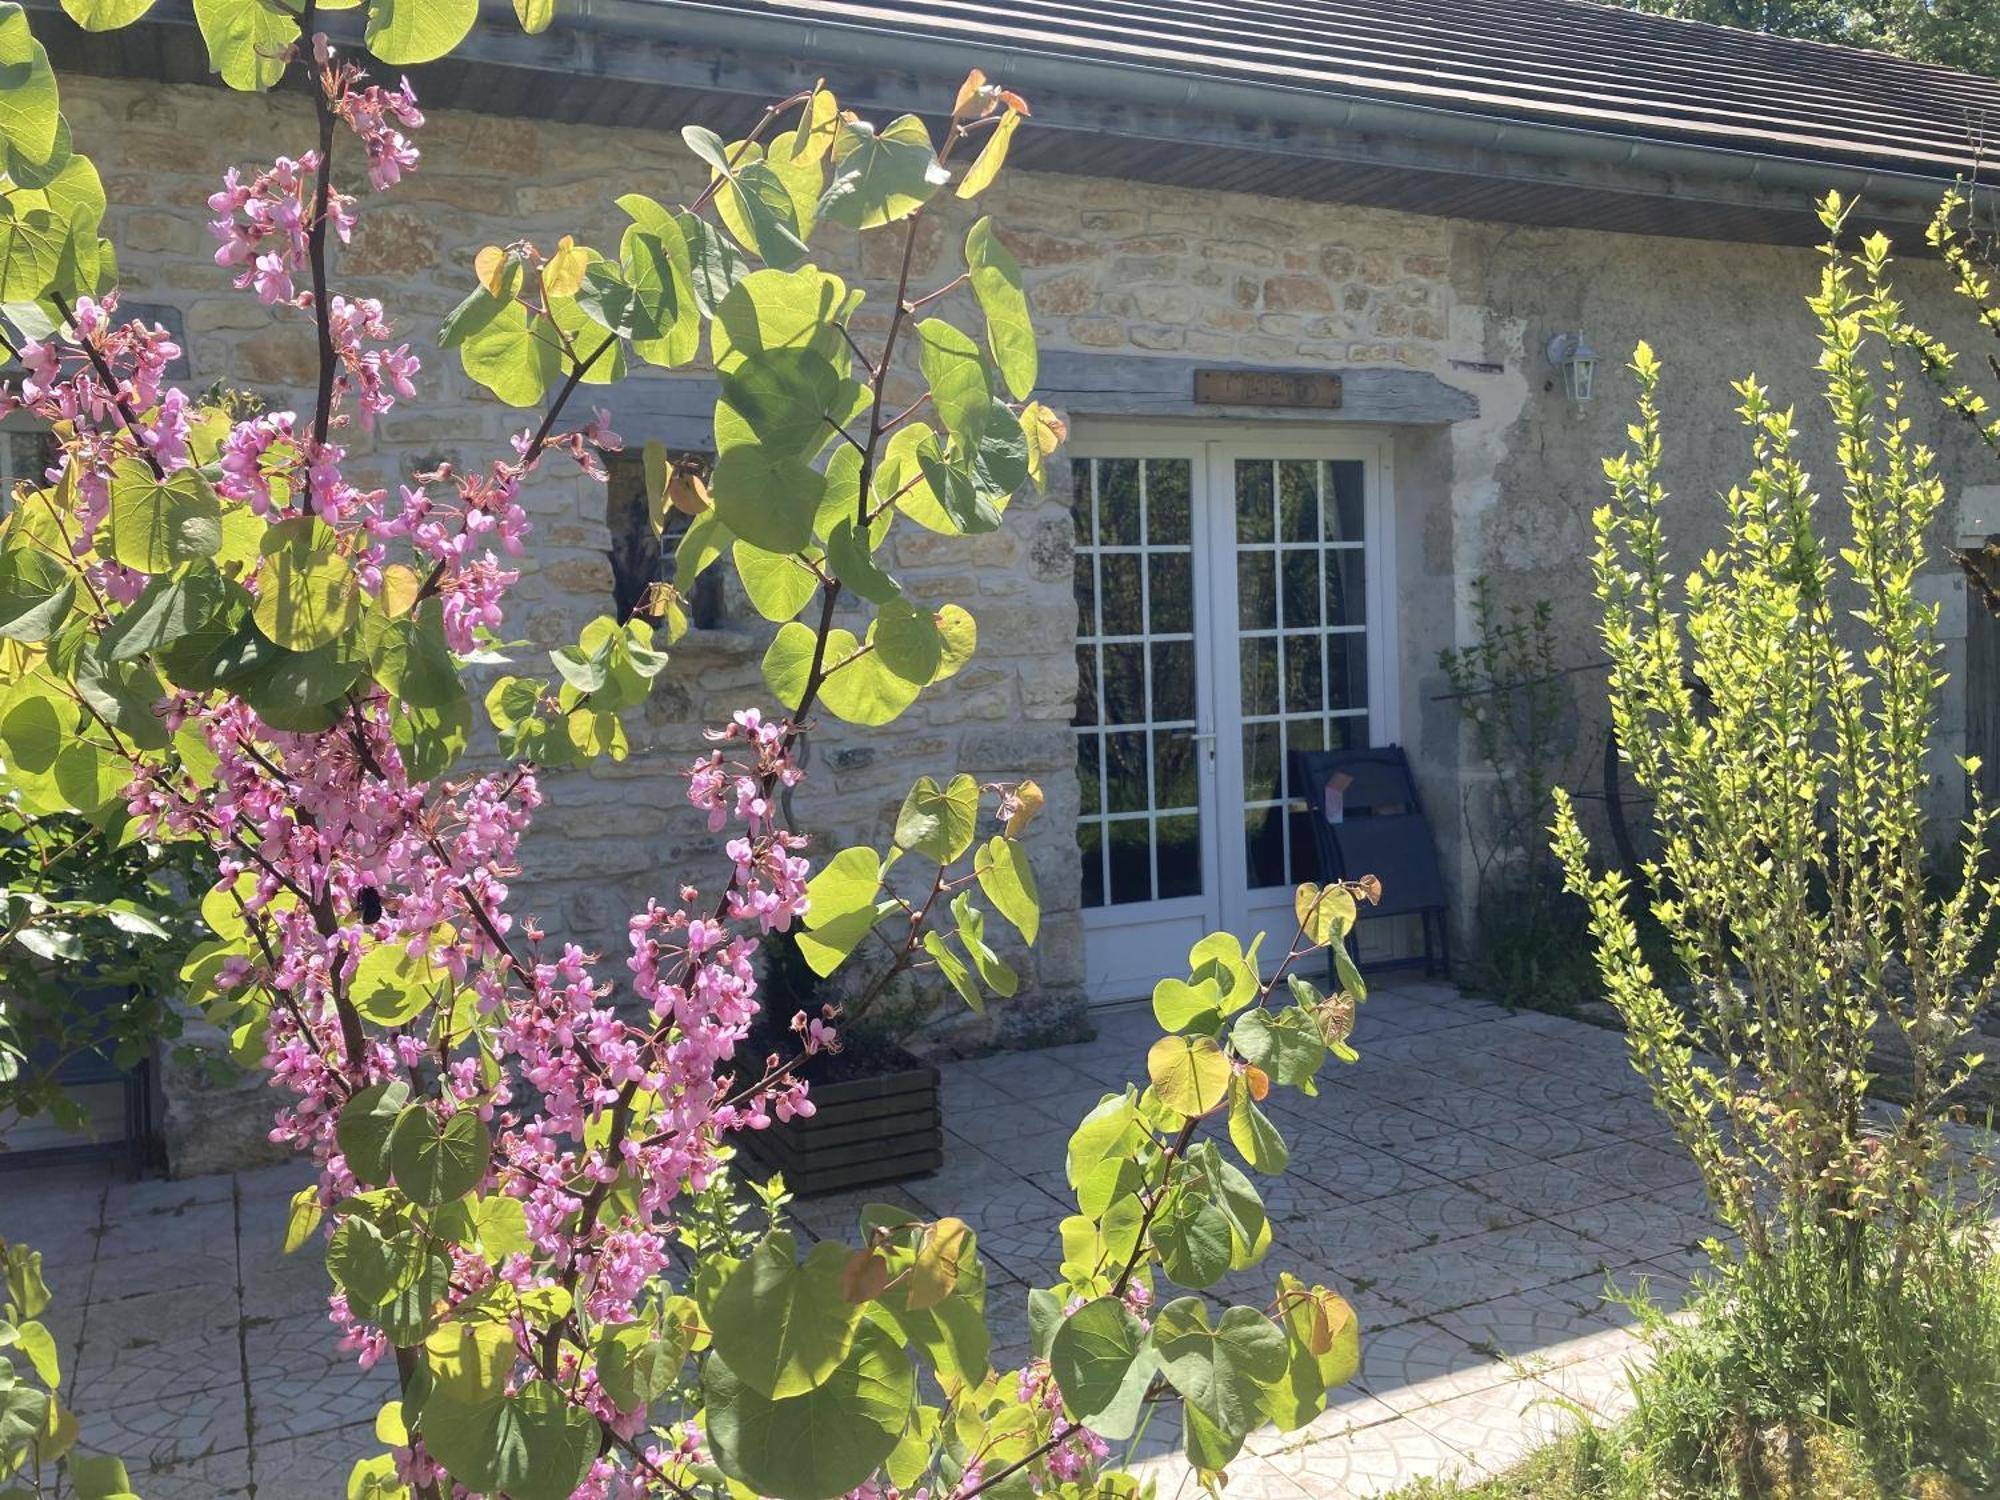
[
  {"x": 1112, "y": 266},
  {"x": 1714, "y": 313}
]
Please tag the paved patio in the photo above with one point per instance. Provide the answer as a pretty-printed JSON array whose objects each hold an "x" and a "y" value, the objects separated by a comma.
[{"x": 1471, "y": 1185}]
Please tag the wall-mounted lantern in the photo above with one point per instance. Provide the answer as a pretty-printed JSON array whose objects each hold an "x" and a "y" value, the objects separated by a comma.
[{"x": 1571, "y": 353}]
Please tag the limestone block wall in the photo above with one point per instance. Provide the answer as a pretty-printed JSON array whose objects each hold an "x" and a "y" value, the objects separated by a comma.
[{"x": 1120, "y": 267}]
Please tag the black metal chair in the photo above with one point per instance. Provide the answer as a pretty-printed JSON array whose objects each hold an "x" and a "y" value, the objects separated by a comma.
[{"x": 1367, "y": 819}]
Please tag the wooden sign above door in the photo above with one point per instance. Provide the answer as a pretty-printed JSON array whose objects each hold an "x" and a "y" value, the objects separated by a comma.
[{"x": 1316, "y": 389}]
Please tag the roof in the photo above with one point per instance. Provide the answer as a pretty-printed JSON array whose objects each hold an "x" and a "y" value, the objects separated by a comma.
[
  {"x": 1574, "y": 64},
  {"x": 1540, "y": 112}
]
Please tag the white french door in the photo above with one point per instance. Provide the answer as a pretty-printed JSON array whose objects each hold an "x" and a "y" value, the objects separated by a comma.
[{"x": 1233, "y": 606}]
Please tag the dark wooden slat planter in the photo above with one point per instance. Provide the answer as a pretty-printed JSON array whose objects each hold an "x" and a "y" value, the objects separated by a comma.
[{"x": 863, "y": 1132}]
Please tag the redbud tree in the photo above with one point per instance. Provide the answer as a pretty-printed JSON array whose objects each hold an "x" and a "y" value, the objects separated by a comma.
[{"x": 211, "y": 632}]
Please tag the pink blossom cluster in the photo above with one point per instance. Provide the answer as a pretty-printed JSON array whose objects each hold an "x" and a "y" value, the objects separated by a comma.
[
  {"x": 1077, "y": 1449},
  {"x": 585, "y": 444},
  {"x": 375, "y": 114},
  {"x": 108, "y": 409},
  {"x": 61, "y": 385},
  {"x": 379, "y": 376},
  {"x": 263, "y": 225}
]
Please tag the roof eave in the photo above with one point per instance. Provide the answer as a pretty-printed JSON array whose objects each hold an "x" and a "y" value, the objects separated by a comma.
[{"x": 848, "y": 44}]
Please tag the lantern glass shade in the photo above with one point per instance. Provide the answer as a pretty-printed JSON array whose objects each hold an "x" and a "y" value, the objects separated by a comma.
[
  {"x": 1578, "y": 375},
  {"x": 1572, "y": 354}
]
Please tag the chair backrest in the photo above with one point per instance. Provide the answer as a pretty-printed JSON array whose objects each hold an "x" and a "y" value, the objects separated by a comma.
[{"x": 1367, "y": 819}]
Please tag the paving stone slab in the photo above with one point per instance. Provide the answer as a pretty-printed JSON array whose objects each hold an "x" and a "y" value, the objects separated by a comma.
[
  {"x": 966, "y": 1175},
  {"x": 1421, "y": 1363},
  {"x": 299, "y": 1289},
  {"x": 1497, "y": 1428},
  {"x": 312, "y": 1468},
  {"x": 1343, "y": 1232},
  {"x": 279, "y": 1181},
  {"x": 1349, "y": 1410},
  {"x": 1447, "y": 1211},
  {"x": 1023, "y": 1076},
  {"x": 1351, "y": 1171},
  {"x": 1023, "y": 1152},
  {"x": 1548, "y": 1189},
  {"x": 191, "y": 1249},
  {"x": 1380, "y": 1459},
  {"x": 306, "y": 1384},
  {"x": 167, "y": 1427},
  {"x": 1640, "y": 1227},
  {"x": 135, "y": 1350},
  {"x": 167, "y": 1197},
  {"x": 1635, "y": 1167},
  {"x": 1554, "y": 1093},
  {"x": 1479, "y": 1268},
  {"x": 40, "y": 1204},
  {"x": 220, "y": 1476},
  {"x": 1372, "y": 1080},
  {"x": 1545, "y": 1327},
  {"x": 1602, "y": 1384}
]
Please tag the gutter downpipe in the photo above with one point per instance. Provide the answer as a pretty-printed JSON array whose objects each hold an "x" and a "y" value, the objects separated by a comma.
[{"x": 689, "y": 21}]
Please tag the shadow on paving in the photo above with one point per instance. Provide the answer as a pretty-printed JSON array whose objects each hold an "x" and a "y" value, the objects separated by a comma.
[{"x": 1473, "y": 1185}]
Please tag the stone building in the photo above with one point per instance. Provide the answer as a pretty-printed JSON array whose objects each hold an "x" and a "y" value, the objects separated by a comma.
[{"x": 1421, "y": 197}]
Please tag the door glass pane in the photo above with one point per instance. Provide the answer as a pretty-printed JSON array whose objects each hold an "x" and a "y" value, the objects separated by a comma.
[
  {"x": 1118, "y": 502},
  {"x": 1086, "y": 685},
  {"x": 1086, "y": 595},
  {"x": 1090, "y": 839},
  {"x": 1124, "y": 603},
  {"x": 1302, "y": 676},
  {"x": 1298, "y": 500},
  {"x": 1178, "y": 841},
  {"x": 1301, "y": 611},
  {"x": 1261, "y": 757},
  {"x": 1259, "y": 654},
  {"x": 1347, "y": 671},
  {"x": 1344, "y": 501},
  {"x": 1169, "y": 503},
  {"x": 1173, "y": 682},
  {"x": 1264, "y": 838},
  {"x": 1173, "y": 769},
  {"x": 1253, "y": 500},
  {"x": 1346, "y": 587},
  {"x": 1170, "y": 591},
  {"x": 1126, "y": 778},
  {"x": 1256, "y": 588},
  {"x": 1301, "y": 586},
  {"x": 1140, "y": 824},
  {"x": 1131, "y": 862}
]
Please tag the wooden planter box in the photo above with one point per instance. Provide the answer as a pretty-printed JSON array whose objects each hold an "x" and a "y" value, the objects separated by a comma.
[{"x": 863, "y": 1132}]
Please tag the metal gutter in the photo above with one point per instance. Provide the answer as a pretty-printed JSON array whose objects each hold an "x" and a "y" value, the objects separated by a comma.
[{"x": 849, "y": 44}]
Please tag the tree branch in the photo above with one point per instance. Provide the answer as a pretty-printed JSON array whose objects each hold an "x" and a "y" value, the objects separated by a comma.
[{"x": 329, "y": 358}]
